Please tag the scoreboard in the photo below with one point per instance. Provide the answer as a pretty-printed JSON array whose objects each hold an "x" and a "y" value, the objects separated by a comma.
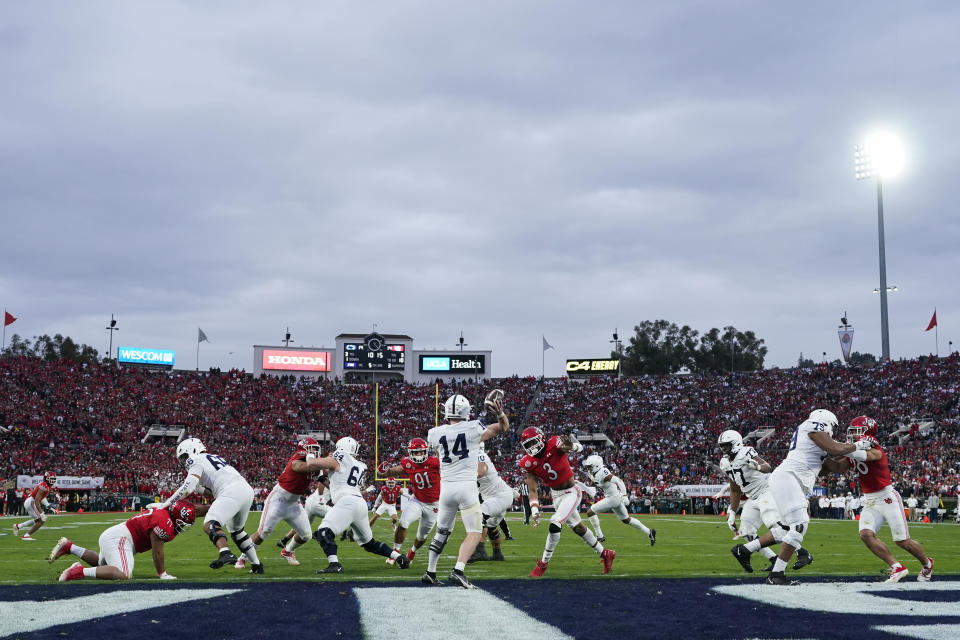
[{"x": 374, "y": 354}]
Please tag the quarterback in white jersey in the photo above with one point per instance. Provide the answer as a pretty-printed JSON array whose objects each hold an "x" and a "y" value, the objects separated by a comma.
[
  {"x": 498, "y": 497},
  {"x": 346, "y": 475},
  {"x": 232, "y": 499},
  {"x": 792, "y": 481},
  {"x": 747, "y": 475},
  {"x": 614, "y": 499},
  {"x": 458, "y": 445}
]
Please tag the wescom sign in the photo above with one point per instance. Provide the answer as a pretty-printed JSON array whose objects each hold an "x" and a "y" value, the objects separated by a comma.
[{"x": 284, "y": 360}]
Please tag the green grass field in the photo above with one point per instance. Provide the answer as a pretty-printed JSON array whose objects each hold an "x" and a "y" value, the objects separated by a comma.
[{"x": 692, "y": 546}]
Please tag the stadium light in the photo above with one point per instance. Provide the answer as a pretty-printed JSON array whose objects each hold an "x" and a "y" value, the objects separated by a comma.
[
  {"x": 890, "y": 288},
  {"x": 880, "y": 156},
  {"x": 111, "y": 328}
]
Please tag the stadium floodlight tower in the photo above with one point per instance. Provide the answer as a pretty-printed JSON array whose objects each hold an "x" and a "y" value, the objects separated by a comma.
[{"x": 880, "y": 156}]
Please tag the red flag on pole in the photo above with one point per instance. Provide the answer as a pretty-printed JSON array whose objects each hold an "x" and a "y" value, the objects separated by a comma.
[
  {"x": 933, "y": 321},
  {"x": 8, "y": 319}
]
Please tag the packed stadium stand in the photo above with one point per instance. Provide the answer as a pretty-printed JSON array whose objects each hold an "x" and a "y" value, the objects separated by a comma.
[{"x": 91, "y": 420}]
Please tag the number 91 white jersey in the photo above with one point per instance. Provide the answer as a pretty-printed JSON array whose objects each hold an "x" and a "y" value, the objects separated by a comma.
[
  {"x": 457, "y": 445},
  {"x": 751, "y": 481},
  {"x": 347, "y": 480}
]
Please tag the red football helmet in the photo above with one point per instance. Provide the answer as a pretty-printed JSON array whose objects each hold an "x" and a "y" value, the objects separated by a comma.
[
  {"x": 418, "y": 450},
  {"x": 309, "y": 445},
  {"x": 532, "y": 440},
  {"x": 861, "y": 427},
  {"x": 50, "y": 477},
  {"x": 391, "y": 482},
  {"x": 183, "y": 514}
]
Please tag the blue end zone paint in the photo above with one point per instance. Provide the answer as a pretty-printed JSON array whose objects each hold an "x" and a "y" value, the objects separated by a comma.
[{"x": 585, "y": 609}]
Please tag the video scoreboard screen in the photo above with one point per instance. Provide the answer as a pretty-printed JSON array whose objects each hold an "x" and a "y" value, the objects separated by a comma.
[{"x": 361, "y": 355}]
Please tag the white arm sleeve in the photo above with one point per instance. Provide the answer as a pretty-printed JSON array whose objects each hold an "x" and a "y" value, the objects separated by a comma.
[
  {"x": 622, "y": 487},
  {"x": 185, "y": 489}
]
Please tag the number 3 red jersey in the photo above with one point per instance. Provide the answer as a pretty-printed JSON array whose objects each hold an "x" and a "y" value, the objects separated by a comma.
[
  {"x": 874, "y": 476},
  {"x": 296, "y": 483},
  {"x": 425, "y": 478},
  {"x": 551, "y": 465}
]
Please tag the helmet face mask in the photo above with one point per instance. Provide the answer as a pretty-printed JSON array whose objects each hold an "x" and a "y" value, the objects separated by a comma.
[
  {"x": 50, "y": 478},
  {"x": 532, "y": 441},
  {"x": 418, "y": 450},
  {"x": 309, "y": 445},
  {"x": 348, "y": 445},
  {"x": 189, "y": 448},
  {"x": 861, "y": 427},
  {"x": 391, "y": 482},
  {"x": 183, "y": 515},
  {"x": 456, "y": 407},
  {"x": 730, "y": 443}
]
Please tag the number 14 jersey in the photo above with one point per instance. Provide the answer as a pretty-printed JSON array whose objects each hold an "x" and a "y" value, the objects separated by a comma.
[
  {"x": 457, "y": 445},
  {"x": 551, "y": 465}
]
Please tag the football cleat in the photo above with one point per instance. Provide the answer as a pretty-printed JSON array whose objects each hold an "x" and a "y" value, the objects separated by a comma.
[
  {"x": 241, "y": 563},
  {"x": 402, "y": 562},
  {"x": 607, "y": 557},
  {"x": 539, "y": 569},
  {"x": 390, "y": 561},
  {"x": 430, "y": 578},
  {"x": 27, "y": 536},
  {"x": 778, "y": 578},
  {"x": 461, "y": 580},
  {"x": 333, "y": 567},
  {"x": 411, "y": 554},
  {"x": 479, "y": 554},
  {"x": 803, "y": 559},
  {"x": 62, "y": 548},
  {"x": 898, "y": 575},
  {"x": 509, "y": 538},
  {"x": 223, "y": 559},
  {"x": 256, "y": 568},
  {"x": 926, "y": 573},
  {"x": 743, "y": 557},
  {"x": 773, "y": 563},
  {"x": 291, "y": 558},
  {"x": 653, "y": 537},
  {"x": 73, "y": 572},
  {"x": 497, "y": 555}
]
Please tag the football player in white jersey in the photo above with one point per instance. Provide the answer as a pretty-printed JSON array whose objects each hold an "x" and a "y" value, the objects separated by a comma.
[
  {"x": 792, "y": 481},
  {"x": 614, "y": 499},
  {"x": 349, "y": 509},
  {"x": 747, "y": 475},
  {"x": 457, "y": 444},
  {"x": 232, "y": 499},
  {"x": 497, "y": 497}
]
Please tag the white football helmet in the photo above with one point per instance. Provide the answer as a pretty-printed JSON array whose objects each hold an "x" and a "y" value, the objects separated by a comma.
[
  {"x": 730, "y": 443},
  {"x": 348, "y": 445},
  {"x": 593, "y": 462},
  {"x": 824, "y": 417},
  {"x": 189, "y": 448},
  {"x": 456, "y": 407}
]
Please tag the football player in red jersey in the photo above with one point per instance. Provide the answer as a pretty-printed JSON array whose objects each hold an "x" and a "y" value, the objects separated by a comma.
[
  {"x": 423, "y": 471},
  {"x": 283, "y": 501},
  {"x": 387, "y": 502},
  {"x": 881, "y": 502},
  {"x": 145, "y": 532},
  {"x": 35, "y": 504},
  {"x": 547, "y": 460}
]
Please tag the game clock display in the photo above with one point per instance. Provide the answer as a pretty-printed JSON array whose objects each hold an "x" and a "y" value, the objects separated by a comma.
[{"x": 362, "y": 355}]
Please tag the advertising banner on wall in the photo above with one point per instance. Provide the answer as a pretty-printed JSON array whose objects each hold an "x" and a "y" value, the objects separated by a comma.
[
  {"x": 63, "y": 482},
  {"x": 287, "y": 360},
  {"x": 446, "y": 363},
  {"x": 133, "y": 355},
  {"x": 593, "y": 366}
]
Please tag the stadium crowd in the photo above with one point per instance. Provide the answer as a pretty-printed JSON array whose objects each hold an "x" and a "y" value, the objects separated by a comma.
[{"x": 91, "y": 420}]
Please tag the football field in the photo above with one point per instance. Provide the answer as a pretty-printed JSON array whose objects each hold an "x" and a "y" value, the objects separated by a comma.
[{"x": 687, "y": 584}]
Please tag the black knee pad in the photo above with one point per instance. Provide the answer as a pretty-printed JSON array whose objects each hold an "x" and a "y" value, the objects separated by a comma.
[
  {"x": 493, "y": 533},
  {"x": 555, "y": 528},
  {"x": 440, "y": 540},
  {"x": 216, "y": 532},
  {"x": 327, "y": 539}
]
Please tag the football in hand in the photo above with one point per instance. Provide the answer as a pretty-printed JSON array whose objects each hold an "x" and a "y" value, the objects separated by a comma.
[{"x": 494, "y": 401}]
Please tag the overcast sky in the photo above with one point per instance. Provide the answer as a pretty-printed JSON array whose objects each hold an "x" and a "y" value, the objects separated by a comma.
[{"x": 508, "y": 169}]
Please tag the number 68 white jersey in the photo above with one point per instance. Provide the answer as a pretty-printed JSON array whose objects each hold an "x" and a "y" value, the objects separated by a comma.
[
  {"x": 214, "y": 472},
  {"x": 751, "y": 481},
  {"x": 347, "y": 480}
]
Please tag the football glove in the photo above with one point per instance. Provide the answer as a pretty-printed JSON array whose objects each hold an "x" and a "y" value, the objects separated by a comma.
[
  {"x": 753, "y": 464},
  {"x": 384, "y": 466},
  {"x": 732, "y": 520},
  {"x": 150, "y": 506},
  {"x": 865, "y": 444},
  {"x": 535, "y": 516}
]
